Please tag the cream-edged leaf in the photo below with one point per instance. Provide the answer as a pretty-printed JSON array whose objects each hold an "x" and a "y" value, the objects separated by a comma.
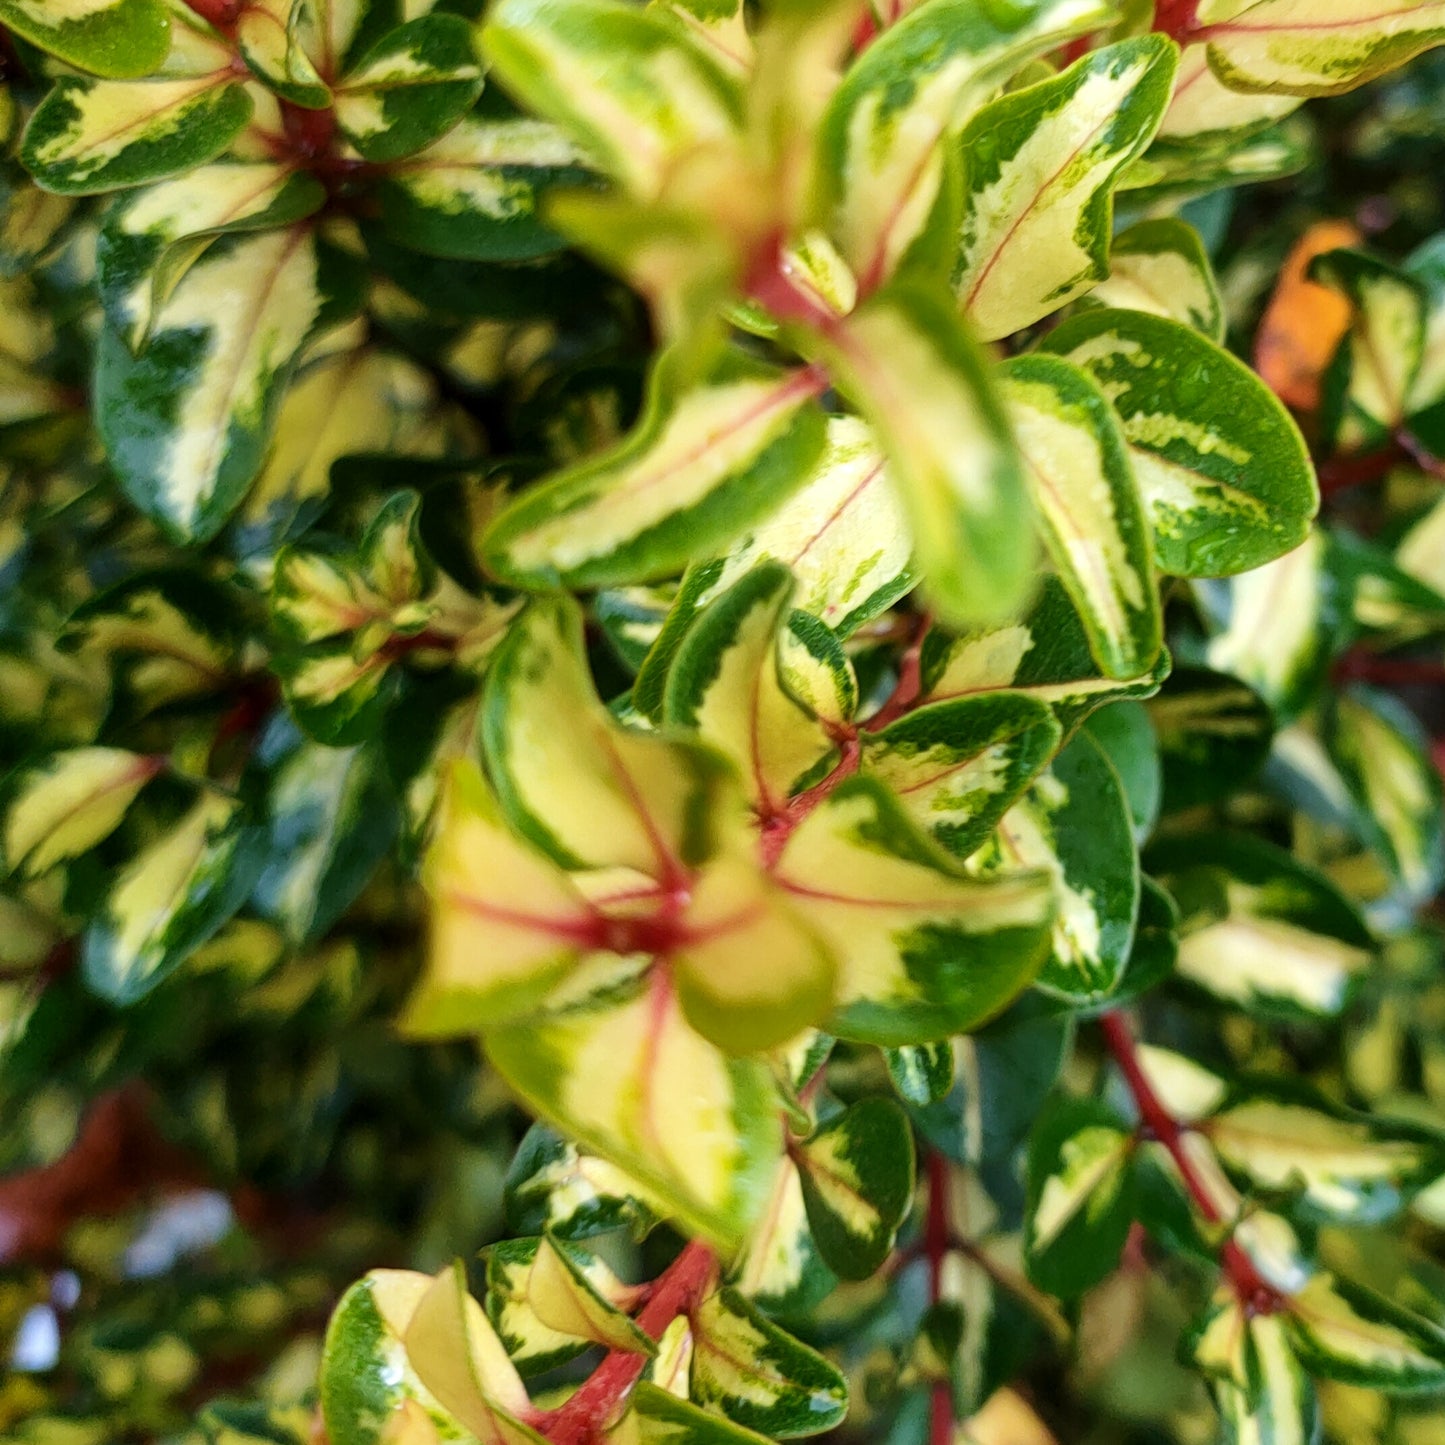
[
  {"x": 1086, "y": 497},
  {"x": 659, "y": 1417},
  {"x": 923, "y": 384},
  {"x": 924, "y": 951},
  {"x": 1160, "y": 266},
  {"x": 268, "y": 40},
  {"x": 171, "y": 898},
  {"x": 64, "y": 806},
  {"x": 705, "y": 462},
  {"x": 554, "y": 1187},
  {"x": 1038, "y": 170},
  {"x": 625, "y": 82},
  {"x": 1262, "y": 1391},
  {"x": 781, "y": 1269},
  {"x": 879, "y": 141},
  {"x": 958, "y": 766},
  {"x": 1044, "y": 652},
  {"x": 1345, "y": 1331},
  {"x": 1205, "y": 111},
  {"x": 89, "y": 136},
  {"x": 922, "y": 1073},
  {"x": 1224, "y": 473},
  {"x": 187, "y": 420},
  {"x": 592, "y": 792},
  {"x": 749, "y": 1370},
  {"x": 626, "y": 1074}
]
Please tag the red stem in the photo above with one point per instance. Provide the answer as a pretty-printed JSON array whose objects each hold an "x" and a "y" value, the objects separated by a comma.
[
  {"x": 778, "y": 827},
  {"x": 1156, "y": 1122},
  {"x": 220, "y": 13},
  {"x": 1338, "y": 473},
  {"x": 600, "y": 1398},
  {"x": 1176, "y": 18},
  {"x": 935, "y": 1244},
  {"x": 910, "y": 680},
  {"x": 1361, "y": 666}
]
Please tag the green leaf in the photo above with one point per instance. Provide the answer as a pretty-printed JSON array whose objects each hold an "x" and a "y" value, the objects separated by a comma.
[
  {"x": 628, "y": 84},
  {"x": 922, "y": 1073},
  {"x": 959, "y": 766},
  {"x": 1344, "y": 1331},
  {"x": 1074, "y": 824},
  {"x": 1262, "y": 1392},
  {"x": 1039, "y": 168},
  {"x": 1384, "y": 759},
  {"x": 905, "y": 359},
  {"x": 1262, "y": 929},
  {"x": 89, "y": 136},
  {"x": 759, "y": 1377},
  {"x": 554, "y": 1188},
  {"x": 1222, "y": 467},
  {"x": 1160, "y": 266},
  {"x": 62, "y": 807},
  {"x": 187, "y": 420},
  {"x": 171, "y": 898},
  {"x": 623, "y": 1071},
  {"x": 476, "y": 193},
  {"x": 1173, "y": 171},
  {"x": 410, "y": 88},
  {"x": 267, "y": 36},
  {"x": 704, "y": 463},
  {"x": 1080, "y": 1196},
  {"x": 1306, "y": 48},
  {"x": 1369, "y": 385},
  {"x": 925, "y": 951},
  {"x": 728, "y": 685},
  {"x": 150, "y": 240},
  {"x": 879, "y": 141},
  {"x": 1344, "y": 1167},
  {"x": 782, "y": 1271},
  {"x": 1214, "y": 733},
  {"x": 116, "y": 38},
  {"x": 1085, "y": 494},
  {"x": 857, "y": 1178},
  {"x": 1044, "y": 653},
  {"x": 331, "y": 817},
  {"x": 1126, "y": 735}
]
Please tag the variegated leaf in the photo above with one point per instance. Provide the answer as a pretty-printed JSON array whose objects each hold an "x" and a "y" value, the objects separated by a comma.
[
  {"x": 116, "y": 38},
  {"x": 922, "y": 1073},
  {"x": 1204, "y": 111},
  {"x": 1044, "y": 652},
  {"x": 1038, "y": 170},
  {"x": 1224, "y": 472},
  {"x": 1074, "y": 825},
  {"x": 1160, "y": 266},
  {"x": 555, "y": 1188},
  {"x": 879, "y": 141},
  {"x": 1214, "y": 731},
  {"x": 89, "y": 136},
  {"x": 857, "y": 1180},
  {"x": 150, "y": 240},
  {"x": 1176, "y": 170},
  {"x": 1345, "y": 1331},
  {"x": 475, "y": 193},
  {"x": 630, "y": 86},
  {"x": 410, "y": 88},
  {"x": 923, "y": 384},
  {"x": 171, "y": 898},
  {"x": 1343, "y": 1167},
  {"x": 658, "y": 1417},
  {"x": 782, "y": 1270},
  {"x": 269, "y": 42},
  {"x": 1261, "y": 929},
  {"x": 1369, "y": 385},
  {"x": 727, "y": 684},
  {"x": 1384, "y": 759},
  {"x": 1079, "y": 1204},
  {"x": 1084, "y": 491},
  {"x": 606, "y": 1069},
  {"x": 958, "y": 766},
  {"x": 924, "y": 951},
  {"x": 62, "y": 807},
  {"x": 592, "y": 793},
  {"x": 1313, "y": 47},
  {"x": 1263, "y": 1393},
  {"x": 753, "y": 1373},
  {"x": 842, "y": 535},
  {"x": 703, "y": 464},
  {"x": 187, "y": 420}
]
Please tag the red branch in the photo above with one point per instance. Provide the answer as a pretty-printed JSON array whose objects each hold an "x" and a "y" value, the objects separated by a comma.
[
  {"x": 910, "y": 680},
  {"x": 1255, "y": 1293},
  {"x": 599, "y": 1399},
  {"x": 1359, "y": 665},
  {"x": 935, "y": 1245},
  {"x": 1176, "y": 18},
  {"x": 220, "y": 13}
]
